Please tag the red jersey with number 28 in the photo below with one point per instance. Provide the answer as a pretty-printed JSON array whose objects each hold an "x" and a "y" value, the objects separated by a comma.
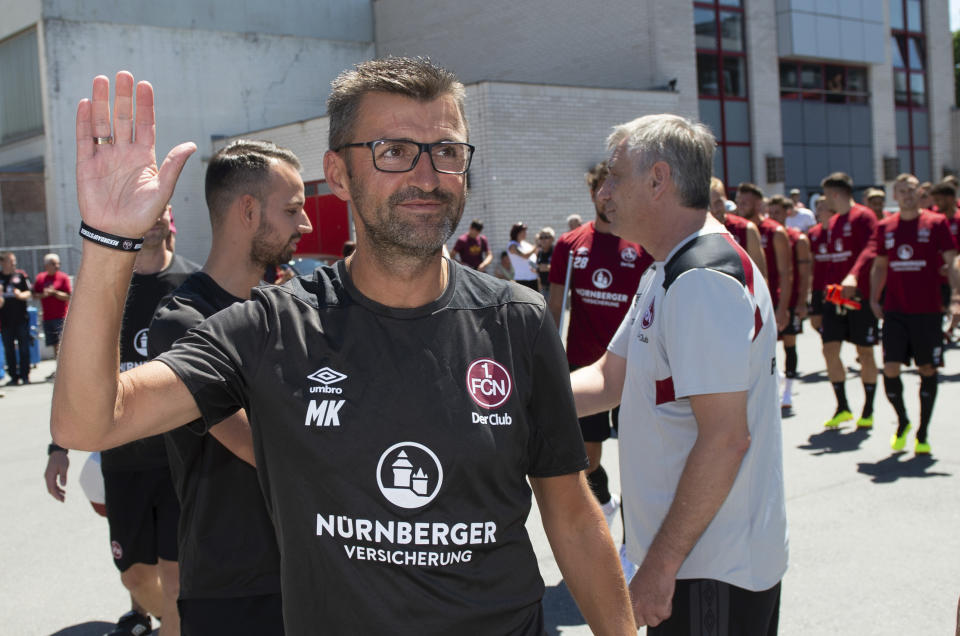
[{"x": 606, "y": 273}]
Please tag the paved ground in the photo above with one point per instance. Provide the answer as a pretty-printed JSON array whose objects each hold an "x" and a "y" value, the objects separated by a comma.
[{"x": 873, "y": 534}]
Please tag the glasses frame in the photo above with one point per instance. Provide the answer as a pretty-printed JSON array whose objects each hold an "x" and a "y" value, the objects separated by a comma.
[{"x": 421, "y": 149}]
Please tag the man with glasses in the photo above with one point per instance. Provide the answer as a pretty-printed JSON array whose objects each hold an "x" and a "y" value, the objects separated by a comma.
[{"x": 398, "y": 401}]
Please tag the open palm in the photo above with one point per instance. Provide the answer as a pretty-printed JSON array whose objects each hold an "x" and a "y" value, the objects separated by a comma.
[{"x": 119, "y": 187}]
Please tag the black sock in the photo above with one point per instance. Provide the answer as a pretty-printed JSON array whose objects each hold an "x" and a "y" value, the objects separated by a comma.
[
  {"x": 894, "y": 390},
  {"x": 928, "y": 393},
  {"x": 791, "y": 361},
  {"x": 869, "y": 390},
  {"x": 841, "y": 394},
  {"x": 598, "y": 484}
]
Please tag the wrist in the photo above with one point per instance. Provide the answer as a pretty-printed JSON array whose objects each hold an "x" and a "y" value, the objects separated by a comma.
[
  {"x": 112, "y": 241},
  {"x": 53, "y": 448}
]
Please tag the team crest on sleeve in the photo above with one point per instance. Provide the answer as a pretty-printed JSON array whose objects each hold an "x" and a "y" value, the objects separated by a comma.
[
  {"x": 647, "y": 318},
  {"x": 488, "y": 383},
  {"x": 409, "y": 475},
  {"x": 628, "y": 256}
]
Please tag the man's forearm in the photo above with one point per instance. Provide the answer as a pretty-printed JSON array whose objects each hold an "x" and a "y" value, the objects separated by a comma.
[
  {"x": 85, "y": 393},
  {"x": 599, "y": 386},
  {"x": 585, "y": 552}
]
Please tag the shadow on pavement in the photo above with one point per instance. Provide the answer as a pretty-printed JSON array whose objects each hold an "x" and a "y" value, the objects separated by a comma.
[
  {"x": 559, "y": 609},
  {"x": 891, "y": 469},
  {"x": 92, "y": 628},
  {"x": 819, "y": 376},
  {"x": 835, "y": 440}
]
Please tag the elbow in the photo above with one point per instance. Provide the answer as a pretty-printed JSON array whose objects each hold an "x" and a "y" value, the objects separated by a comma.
[{"x": 68, "y": 429}]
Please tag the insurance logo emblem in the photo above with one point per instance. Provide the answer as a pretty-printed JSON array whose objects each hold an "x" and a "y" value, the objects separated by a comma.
[
  {"x": 409, "y": 475},
  {"x": 602, "y": 278},
  {"x": 904, "y": 252},
  {"x": 488, "y": 383},
  {"x": 140, "y": 342}
]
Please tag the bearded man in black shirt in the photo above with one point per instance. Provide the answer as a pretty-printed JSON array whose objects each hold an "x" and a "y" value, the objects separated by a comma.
[
  {"x": 230, "y": 579},
  {"x": 398, "y": 402}
]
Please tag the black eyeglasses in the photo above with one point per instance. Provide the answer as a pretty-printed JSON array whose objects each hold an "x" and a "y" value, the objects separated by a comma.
[{"x": 401, "y": 155}]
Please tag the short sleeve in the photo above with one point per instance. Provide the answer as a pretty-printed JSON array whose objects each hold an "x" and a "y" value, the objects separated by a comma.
[
  {"x": 555, "y": 446},
  {"x": 218, "y": 360},
  {"x": 943, "y": 239},
  {"x": 38, "y": 285},
  {"x": 458, "y": 247},
  {"x": 708, "y": 336},
  {"x": 66, "y": 284},
  {"x": 620, "y": 342},
  {"x": 558, "y": 262},
  {"x": 484, "y": 245}
]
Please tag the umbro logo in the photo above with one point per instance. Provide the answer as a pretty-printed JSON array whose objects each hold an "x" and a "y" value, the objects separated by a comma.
[{"x": 326, "y": 376}]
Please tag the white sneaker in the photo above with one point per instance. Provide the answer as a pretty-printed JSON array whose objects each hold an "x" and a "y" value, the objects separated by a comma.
[
  {"x": 610, "y": 509},
  {"x": 628, "y": 566}
]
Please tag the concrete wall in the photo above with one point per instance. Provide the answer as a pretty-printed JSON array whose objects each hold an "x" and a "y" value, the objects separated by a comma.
[
  {"x": 616, "y": 44},
  {"x": 349, "y": 20},
  {"x": 880, "y": 81},
  {"x": 763, "y": 71},
  {"x": 208, "y": 84},
  {"x": 940, "y": 83},
  {"x": 17, "y": 15}
]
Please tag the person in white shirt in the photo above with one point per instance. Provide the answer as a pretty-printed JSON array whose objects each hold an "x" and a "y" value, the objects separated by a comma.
[
  {"x": 800, "y": 217},
  {"x": 693, "y": 367}
]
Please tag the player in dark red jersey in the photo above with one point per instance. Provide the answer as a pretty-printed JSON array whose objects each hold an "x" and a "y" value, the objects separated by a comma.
[
  {"x": 776, "y": 249},
  {"x": 821, "y": 261},
  {"x": 779, "y": 210},
  {"x": 912, "y": 245},
  {"x": 851, "y": 245},
  {"x": 745, "y": 232},
  {"x": 606, "y": 273},
  {"x": 945, "y": 194}
]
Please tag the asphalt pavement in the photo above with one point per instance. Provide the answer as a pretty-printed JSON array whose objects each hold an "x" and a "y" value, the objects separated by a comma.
[{"x": 874, "y": 541}]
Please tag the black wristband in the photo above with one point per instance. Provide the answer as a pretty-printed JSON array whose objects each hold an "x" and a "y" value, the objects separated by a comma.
[
  {"x": 110, "y": 240},
  {"x": 52, "y": 448}
]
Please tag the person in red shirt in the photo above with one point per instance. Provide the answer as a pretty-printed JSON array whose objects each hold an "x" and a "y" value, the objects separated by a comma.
[
  {"x": 945, "y": 194},
  {"x": 851, "y": 246},
  {"x": 779, "y": 210},
  {"x": 912, "y": 247},
  {"x": 776, "y": 249},
  {"x": 53, "y": 288},
  {"x": 746, "y": 233},
  {"x": 820, "y": 251},
  {"x": 472, "y": 248},
  {"x": 604, "y": 280}
]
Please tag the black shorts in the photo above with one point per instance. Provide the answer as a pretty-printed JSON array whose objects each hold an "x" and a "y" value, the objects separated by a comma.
[
  {"x": 794, "y": 325},
  {"x": 858, "y": 326},
  {"x": 52, "y": 330},
  {"x": 705, "y": 606},
  {"x": 597, "y": 427},
  {"x": 816, "y": 302},
  {"x": 240, "y": 616},
  {"x": 143, "y": 513},
  {"x": 945, "y": 296},
  {"x": 912, "y": 336}
]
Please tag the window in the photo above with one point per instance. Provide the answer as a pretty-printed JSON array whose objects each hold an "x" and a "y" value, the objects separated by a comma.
[
  {"x": 722, "y": 84},
  {"x": 823, "y": 82},
  {"x": 21, "y": 114},
  {"x": 910, "y": 87}
]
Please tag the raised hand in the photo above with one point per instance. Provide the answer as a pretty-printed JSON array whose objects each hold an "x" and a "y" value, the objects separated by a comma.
[{"x": 119, "y": 187}]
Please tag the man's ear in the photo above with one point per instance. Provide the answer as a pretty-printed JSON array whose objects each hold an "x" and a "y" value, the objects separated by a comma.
[
  {"x": 337, "y": 174},
  {"x": 247, "y": 207},
  {"x": 660, "y": 179}
]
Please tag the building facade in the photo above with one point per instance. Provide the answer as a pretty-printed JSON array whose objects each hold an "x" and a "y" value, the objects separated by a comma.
[{"x": 793, "y": 89}]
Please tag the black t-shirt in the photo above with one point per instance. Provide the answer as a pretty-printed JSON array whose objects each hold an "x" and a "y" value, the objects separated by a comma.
[
  {"x": 14, "y": 311},
  {"x": 146, "y": 292},
  {"x": 393, "y": 446},
  {"x": 228, "y": 547},
  {"x": 543, "y": 258}
]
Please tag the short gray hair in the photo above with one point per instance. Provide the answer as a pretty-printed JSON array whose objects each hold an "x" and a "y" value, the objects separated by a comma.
[
  {"x": 683, "y": 144},
  {"x": 51, "y": 257}
]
